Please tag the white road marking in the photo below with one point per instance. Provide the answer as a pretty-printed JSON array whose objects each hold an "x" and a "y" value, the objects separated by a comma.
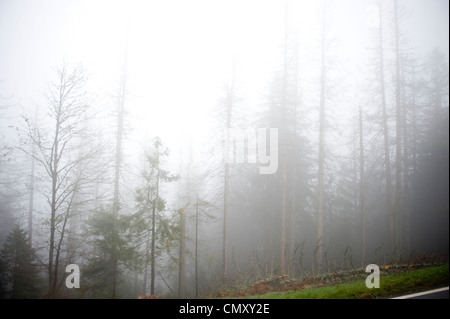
[{"x": 421, "y": 293}]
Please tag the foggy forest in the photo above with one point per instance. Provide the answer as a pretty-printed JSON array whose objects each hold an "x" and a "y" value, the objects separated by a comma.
[{"x": 181, "y": 148}]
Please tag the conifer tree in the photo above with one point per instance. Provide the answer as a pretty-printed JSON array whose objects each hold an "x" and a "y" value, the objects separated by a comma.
[{"x": 19, "y": 276}]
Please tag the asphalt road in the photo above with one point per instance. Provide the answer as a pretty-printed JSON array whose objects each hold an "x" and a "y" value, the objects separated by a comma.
[{"x": 440, "y": 293}]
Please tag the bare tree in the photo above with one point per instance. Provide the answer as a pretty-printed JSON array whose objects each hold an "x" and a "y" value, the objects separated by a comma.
[
  {"x": 56, "y": 152},
  {"x": 229, "y": 101},
  {"x": 362, "y": 201},
  {"x": 118, "y": 160},
  {"x": 398, "y": 113},
  {"x": 387, "y": 157}
]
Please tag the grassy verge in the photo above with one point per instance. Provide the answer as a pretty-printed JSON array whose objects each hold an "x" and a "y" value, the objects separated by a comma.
[{"x": 390, "y": 285}]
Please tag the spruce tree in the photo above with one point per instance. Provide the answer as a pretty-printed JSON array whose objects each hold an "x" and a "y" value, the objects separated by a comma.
[{"x": 19, "y": 275}]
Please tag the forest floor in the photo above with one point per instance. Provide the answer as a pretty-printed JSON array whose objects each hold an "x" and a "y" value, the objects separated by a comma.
[{"x": 396, "y": 278}]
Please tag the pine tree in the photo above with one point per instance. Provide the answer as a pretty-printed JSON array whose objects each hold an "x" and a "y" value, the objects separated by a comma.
[
  {"x": 19, "y": 275},
  {"x": 157, "y": 227},
  {"x": 112, "y": 251}
]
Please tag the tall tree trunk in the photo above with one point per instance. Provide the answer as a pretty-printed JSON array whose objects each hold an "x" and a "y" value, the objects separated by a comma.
[
  {"x": 320, "y": 195},
  {"x": 410, "y": 160},
  {"x": 361, "y": 189},
  {"x": 406, "y": 191},
  {"x": 118, "y": 167},
  {"x": 31, "y": 200},
  {"x": 155, "y": 203},
  {"x": 196, "y": 249},
  {"x": 408, "y": 151},
  {"x": 283, "y": 128},
  {"x": 398, "y": 118},
  {"x": 146, "y": 264},
  {"x": 32, "y": 181},
  {"x": 181, "y": 271},
  {"x": 55, "y": 156},
  {"x": 295, "y": 106},
  {"x": 283, "y": 216},
  {"x": 387, "y": 160},
  {"x": 226, "y": 186},
  {"x": 226, "y": 208},
  {"x": 268, "y": 238},
  {"x": 58, "y": 249},
  {"x": 293, "y": 212},
  {"x": 292, "y": 224}
]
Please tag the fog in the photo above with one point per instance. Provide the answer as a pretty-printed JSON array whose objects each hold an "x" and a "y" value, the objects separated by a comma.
[{"x": 180, "y": 148}]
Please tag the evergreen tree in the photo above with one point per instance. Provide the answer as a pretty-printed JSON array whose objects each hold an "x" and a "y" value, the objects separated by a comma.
[
  {"x": 112, "y": 252},
  {"x": 19, "y": 277},
  {"x": 156, "y": 228}
]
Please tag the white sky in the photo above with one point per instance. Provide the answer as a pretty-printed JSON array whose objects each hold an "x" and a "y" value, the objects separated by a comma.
[{"x": 179, "y": 52}]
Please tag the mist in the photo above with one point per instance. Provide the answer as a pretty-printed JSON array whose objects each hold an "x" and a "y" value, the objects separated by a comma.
[{"x": 181, "y": 148}]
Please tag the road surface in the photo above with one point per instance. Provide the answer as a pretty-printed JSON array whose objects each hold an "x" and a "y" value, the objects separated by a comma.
[{"x": 440, "y": 293}]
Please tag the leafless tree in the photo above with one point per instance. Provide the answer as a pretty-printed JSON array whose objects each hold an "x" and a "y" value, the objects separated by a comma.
[{"x": 62, "y": 151}]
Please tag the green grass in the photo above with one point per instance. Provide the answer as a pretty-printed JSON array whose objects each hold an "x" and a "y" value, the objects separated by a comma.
[{"x": 390, "y": 285}]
